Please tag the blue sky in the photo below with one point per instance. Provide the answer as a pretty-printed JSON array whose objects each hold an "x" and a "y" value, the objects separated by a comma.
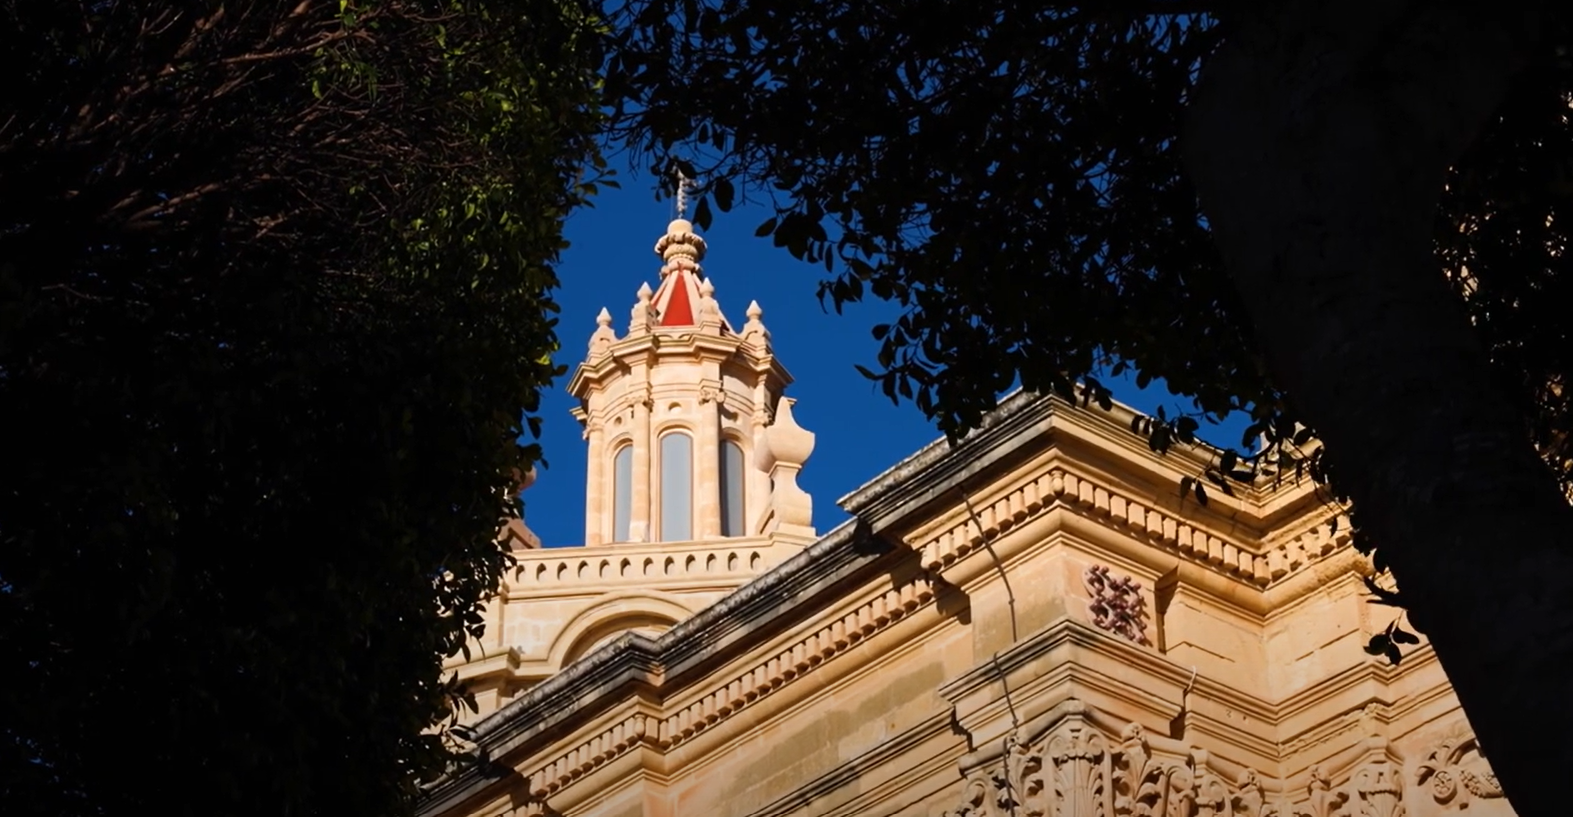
[{"x": 859, "y": 432}]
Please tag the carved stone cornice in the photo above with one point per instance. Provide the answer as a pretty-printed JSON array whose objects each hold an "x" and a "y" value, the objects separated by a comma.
[
  {"x": 1067, "y": 486},
  {"x": 689, "y": 345}
]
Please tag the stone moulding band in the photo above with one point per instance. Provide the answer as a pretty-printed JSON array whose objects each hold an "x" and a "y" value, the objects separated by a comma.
[
  {"x": 1078, "y": 492},
  {"x": 765, "y": 677}
]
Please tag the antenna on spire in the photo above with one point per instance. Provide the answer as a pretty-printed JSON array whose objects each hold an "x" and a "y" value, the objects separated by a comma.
[{"x": 683, "y": 185}]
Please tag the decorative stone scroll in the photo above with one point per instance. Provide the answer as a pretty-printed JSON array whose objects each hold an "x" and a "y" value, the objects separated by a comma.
[
  {"x": 1117, "y": 604},
  {"x": 1456, "y": 772}
]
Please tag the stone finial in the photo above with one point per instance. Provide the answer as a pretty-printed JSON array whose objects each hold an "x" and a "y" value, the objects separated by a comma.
[
  {"x": 780, "y": 450},
  {"x": 710, "y": 319},
  {"x": 754, "y": 331},
  {"x": 680, "y": 248},
  {"x": 644, "y": 312},
  {"x": 603, "y": 336}
]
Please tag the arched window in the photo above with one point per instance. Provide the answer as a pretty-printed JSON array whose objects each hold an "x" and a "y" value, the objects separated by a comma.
[
  {"x": 622, "y": 492},
  {"x": 677, "y": 488},
  {"x": 731, "y": 489}
]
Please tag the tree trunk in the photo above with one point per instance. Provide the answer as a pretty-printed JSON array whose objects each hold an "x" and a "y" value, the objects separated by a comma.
[{"x": 1318, "y": 140}]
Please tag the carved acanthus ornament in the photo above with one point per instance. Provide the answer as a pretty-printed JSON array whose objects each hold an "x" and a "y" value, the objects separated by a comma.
[
  {"x": 1456, "y": 772},
  {"x": 1081, "y": 772},
  {"x": 1074, "y": 773},
  {"x": 1324, "y": 800},
  {"x": 1250, "y": 800},
  {"x": 1379, "y": 790},
  {"x": 1375, "y": 789},
  {"x": 1117, "y": 604}
]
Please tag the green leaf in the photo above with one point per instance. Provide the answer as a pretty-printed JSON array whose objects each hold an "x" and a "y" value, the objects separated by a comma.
[
  {"x": 702, "y": 214},
  {"x": 723, "y": 194}
]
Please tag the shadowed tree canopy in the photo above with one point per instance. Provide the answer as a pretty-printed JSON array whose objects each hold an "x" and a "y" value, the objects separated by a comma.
[
  {"x": 275, "y": 302},
  {"x": 1347, "y": 217}
]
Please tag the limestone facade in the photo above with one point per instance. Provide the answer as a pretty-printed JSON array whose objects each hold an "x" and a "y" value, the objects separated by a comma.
[{"x": 1032, "y": 621}]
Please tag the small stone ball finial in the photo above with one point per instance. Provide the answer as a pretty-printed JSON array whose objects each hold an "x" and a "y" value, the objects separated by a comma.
[
  {"x": 754, "y": 313},
  {"x": 644, "y": 292},
  {"x": 706, "y": 288},
  {"x": 603, "y": 319}
]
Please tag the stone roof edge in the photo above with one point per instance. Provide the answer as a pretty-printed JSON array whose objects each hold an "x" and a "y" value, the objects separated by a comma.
[
  {"x": 607, "y": 662},
  {"x": 940, "y": 464},
  {"x": 930, "y": 466},
  {"x": 621, "y": 660}
]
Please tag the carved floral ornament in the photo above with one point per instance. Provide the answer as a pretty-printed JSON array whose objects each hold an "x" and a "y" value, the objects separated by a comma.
[{"x": 1455, "y": 772}]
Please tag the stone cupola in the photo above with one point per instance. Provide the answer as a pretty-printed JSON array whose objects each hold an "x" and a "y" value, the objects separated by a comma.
[{"x": 689, "y": 434}]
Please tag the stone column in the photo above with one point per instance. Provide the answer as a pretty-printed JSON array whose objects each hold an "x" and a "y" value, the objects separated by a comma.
[
  {"x": 756, "y": 482},
  {"x": 639, "y": 520},
  {"x": 707, "y": 464},
  {"x": 596, "y": 490}
]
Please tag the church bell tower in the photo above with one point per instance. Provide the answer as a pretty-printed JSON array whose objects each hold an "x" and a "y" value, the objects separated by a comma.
[{"x": 689, "y": 435}]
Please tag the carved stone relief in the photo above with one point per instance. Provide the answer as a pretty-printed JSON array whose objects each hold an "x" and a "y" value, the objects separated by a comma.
[
  {"x": 1378, "y": 790},
  {"x": 1375, "y": 789},
  {"x": 1455, "y": 773},
  {"x": 1075, "y": 773},
  {"x": 1080, "y": 767},
  {"x": 1117, "y": 604}
]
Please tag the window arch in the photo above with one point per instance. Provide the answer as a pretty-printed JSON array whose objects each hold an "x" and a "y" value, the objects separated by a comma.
[
  {"x": 731, "y": 488},
  {"x": 622, "y": 492},
  {"x": 677, "y": 487}
]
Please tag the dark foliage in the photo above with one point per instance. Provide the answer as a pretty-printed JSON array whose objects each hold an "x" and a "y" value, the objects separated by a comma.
[
  {"x": 1010, "y": 174},
  {"x": 274, "y": 296}
]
